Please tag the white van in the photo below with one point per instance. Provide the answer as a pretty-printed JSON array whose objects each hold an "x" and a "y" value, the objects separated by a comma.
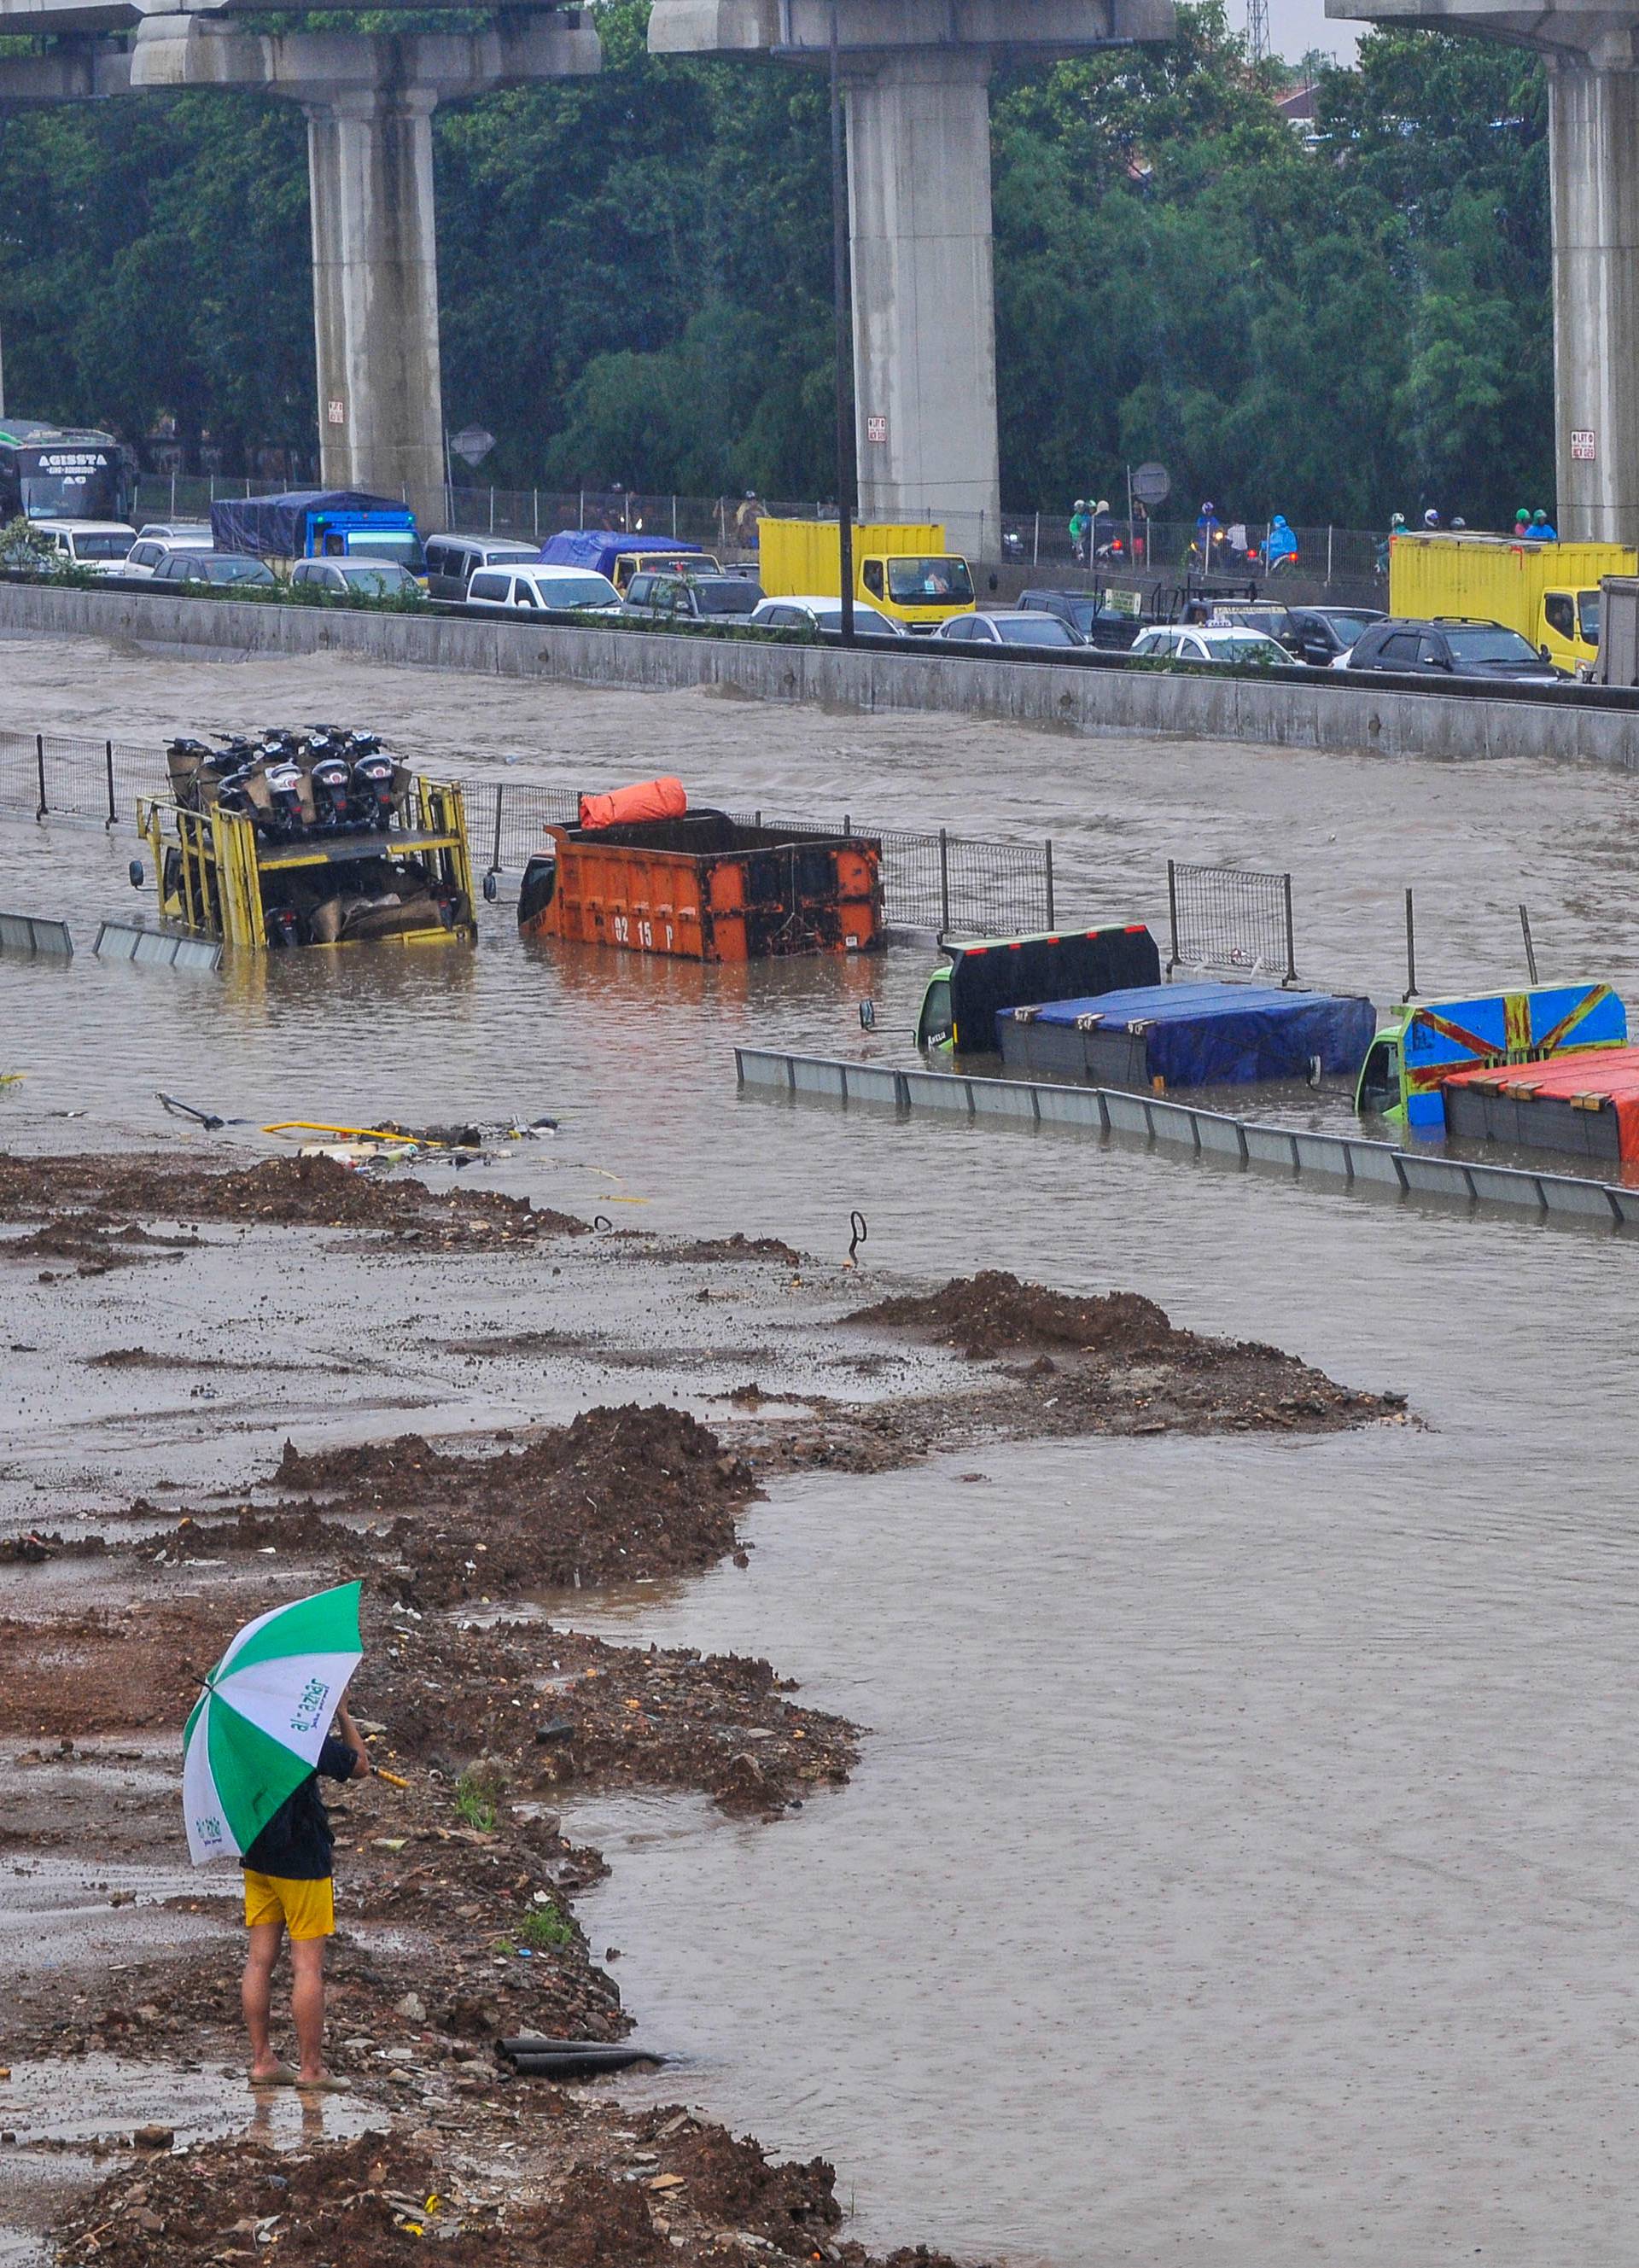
[
  {"x": 528, "y": 590},
  {"x": 102, "y": 545}
]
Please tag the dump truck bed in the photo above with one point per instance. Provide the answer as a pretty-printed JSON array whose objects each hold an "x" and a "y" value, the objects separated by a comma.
[{"x": 706, "y": 888}]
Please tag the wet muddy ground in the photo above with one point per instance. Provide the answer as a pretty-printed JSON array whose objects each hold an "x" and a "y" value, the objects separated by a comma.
[{"x": 125, "y": 1565}]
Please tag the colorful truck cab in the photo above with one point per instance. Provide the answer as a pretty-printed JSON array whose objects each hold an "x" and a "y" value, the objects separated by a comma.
[{"x": 1428, "y": 1040}]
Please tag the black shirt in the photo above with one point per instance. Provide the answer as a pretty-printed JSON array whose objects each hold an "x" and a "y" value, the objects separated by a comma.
[{"x": 296, "y": 1843}]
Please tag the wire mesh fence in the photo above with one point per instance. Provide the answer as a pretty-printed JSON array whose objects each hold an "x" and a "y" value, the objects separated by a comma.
[
  {"x": 965, "y": 885},
  {"x": 727, "y": 526},
  {"x": 1231, "y": 918}
]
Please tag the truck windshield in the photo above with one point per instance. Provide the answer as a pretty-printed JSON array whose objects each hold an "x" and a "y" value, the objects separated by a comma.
[
  {"x": 1588, "y": 610},
  {"x": 930, "y": 583},
  {"x": 400, "y": 543}
]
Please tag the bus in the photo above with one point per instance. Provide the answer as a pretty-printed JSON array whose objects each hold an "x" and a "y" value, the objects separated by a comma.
[{"x": 56, "y": 472}]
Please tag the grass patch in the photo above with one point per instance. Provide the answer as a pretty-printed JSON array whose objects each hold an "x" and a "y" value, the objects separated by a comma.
[
  {"x": 545, "y": 1930},
  {"x": 474, "y": 1805}
]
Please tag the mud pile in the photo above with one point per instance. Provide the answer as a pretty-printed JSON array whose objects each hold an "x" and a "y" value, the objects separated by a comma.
[
  {"x": 1118, "y": 1364},
  {"x": 995, "y": 1313},
  {"x": 594, "y": 2186},
  {"x": 285, "y": 1192},
  {"x": 621, "y": 1492}
]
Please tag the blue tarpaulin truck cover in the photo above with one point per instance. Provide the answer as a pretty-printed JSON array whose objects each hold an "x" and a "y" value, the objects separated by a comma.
[
  {"x": 597, "y": 548},
  {"x": 276, "y": 526},
  {"x": 1188, "y": 1036}
]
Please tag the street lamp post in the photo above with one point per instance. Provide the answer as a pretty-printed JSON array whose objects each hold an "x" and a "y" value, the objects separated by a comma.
[{"x": 845, "y": 469}]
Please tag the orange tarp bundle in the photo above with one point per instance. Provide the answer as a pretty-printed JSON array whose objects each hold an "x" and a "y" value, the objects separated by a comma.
[{"x": 660, "y": 798}]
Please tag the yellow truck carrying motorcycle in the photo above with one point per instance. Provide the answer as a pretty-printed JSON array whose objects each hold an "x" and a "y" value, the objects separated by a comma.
[
  {"x": 219, "y": 875},
  {"x": 904, "y": 571},
  {"x": 1548, "y": 591}
]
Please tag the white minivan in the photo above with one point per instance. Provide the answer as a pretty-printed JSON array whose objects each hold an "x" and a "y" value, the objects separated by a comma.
[
  {"x": 529, "y": 589},
  {"x": 102, "y": 545}
]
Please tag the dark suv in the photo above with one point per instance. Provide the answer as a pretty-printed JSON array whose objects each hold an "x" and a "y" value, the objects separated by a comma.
[
  {"x": 691, "y": 598},
  {"x": 1452, "y": 646}
]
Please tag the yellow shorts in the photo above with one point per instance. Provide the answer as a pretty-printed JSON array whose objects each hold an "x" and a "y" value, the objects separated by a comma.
[{"x": 306, "y": 1909}]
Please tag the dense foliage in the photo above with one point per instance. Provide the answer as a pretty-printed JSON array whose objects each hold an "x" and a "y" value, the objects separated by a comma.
[{"x": 635, "y": 274}]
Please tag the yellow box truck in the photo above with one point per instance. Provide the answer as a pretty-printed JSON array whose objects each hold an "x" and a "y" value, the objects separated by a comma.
[
  {"x": 906, "y": 572},
  {"x": 1548, "y": 591}
]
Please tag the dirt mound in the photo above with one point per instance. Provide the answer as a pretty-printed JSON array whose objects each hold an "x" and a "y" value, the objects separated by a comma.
[
  {"x": 622, "y": 1492},
  {"x": 735, "y": 1247},
  {"x": 605, "y": 2185},
  {"x": 287, "y": 1192},
  {"x": 995, "y": 1314}
]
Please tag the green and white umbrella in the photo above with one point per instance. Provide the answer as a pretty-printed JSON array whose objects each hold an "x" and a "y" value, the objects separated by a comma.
[{"x": 256, "y": 1730}]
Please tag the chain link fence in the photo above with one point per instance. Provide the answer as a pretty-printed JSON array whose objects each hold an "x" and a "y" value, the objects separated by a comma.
[
  {"x": 1353, "y": 560},
  {"x": 1231, "y": 918},
  {"x": 965, "y": 884}
]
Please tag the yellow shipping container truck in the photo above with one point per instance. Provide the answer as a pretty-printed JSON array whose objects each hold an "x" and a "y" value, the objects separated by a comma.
[
  {"x": 1548, "y": 592},
  {"x": 906, "y": 572}
]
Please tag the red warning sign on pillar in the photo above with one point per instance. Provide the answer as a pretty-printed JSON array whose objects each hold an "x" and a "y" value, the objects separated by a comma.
[
  {"x": 1585, "y": 444},
  {"x": 876, "y": 428}
]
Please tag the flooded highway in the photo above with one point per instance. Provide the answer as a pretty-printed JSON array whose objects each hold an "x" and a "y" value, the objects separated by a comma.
[{"x": 1240, "y": 1870}]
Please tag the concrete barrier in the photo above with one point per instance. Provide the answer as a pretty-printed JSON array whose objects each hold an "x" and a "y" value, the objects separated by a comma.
[
  {"x": 1302, "y": 712},
  {"x": 1339, "y": 1159}
]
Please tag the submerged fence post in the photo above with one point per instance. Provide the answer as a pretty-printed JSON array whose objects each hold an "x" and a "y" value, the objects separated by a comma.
[
  {"x": 500, "y": 799},
  {"x": 1291, "y": 952},
  {"x": 40, "y": 763},
  {"x": 944, "y": 882},
  {"x": 1052, "y": 924},
  {"x": 107, "y": 749},
  {"x": 1531, "y": 950},
  {"x": 1410, "y": 993},
  {"x": 1172, "y": 909}
]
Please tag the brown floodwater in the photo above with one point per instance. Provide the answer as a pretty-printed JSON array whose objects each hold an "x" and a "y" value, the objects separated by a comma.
[{"x": 1241, "y": 1870}]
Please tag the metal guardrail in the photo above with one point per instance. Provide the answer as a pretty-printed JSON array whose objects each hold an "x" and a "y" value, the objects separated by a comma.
[
  {"x": 967, "y": 885},
  {"x": 1353, "y": 1163},
  {"x": 27, "y": 933}
]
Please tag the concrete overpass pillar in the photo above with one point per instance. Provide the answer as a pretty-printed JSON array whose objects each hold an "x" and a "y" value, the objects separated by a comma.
[
  {"x": 1593, "y": 116},
  {"x": 375, "y": 295},
  {"x": 924, "y": 293},
  {"x": 369, "y": 100}
]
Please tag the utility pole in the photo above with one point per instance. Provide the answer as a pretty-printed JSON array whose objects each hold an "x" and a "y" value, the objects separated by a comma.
[{"x": 844, "y": 340}]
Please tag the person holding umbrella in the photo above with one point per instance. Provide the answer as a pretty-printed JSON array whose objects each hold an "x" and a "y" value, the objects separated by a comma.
[{"x": 270, "y": 1723}]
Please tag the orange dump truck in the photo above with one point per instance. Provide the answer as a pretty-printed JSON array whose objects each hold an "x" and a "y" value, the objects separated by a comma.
[{"x": 700, "y": 886}]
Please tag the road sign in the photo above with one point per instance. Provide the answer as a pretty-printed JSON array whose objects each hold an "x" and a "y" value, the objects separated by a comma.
[
  {"x": 1584, "y": 445},
  {"x": 1152, "y": 484},
  {"x": 472, "y": 445},
  {"x": 876, "y": 428}
]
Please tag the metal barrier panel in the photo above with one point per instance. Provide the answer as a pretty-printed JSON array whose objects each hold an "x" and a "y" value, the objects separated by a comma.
[
  {"x": 1508, "y": 1185},
  {"x": 1626, "y": 1206},
  {"x": 1436, "y": 1177},
  {"x": 936, "y": 1089},
  {"x": 1323, "y": 1153},
  {"x": 872, "y": 1083},
  {"x": 25, "y": 933},
  {"x": 1071, "y": 1106},
  {"x": 1220, "y": 1136},
  {"x": 756, "y": 1067},
  {"x": 811, "y": 1075},
  {"x": 1376, "y": 1163},
  {"x": 1126, "y": 1114},
  {"x": 1173, "y": 1124},
  {"x": 1271, "y": 1146},
  {"x": 1002, "y": 1098},
  {"x": 129, "y": 941},
  {"x": 1577, "y": 1200}
]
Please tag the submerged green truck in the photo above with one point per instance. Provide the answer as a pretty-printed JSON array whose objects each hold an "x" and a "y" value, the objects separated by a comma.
[{"x": 1426, "y": 1041}]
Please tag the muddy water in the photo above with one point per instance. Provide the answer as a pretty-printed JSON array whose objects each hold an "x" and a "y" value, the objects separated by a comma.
[{"x": 1242, "y": 1870}]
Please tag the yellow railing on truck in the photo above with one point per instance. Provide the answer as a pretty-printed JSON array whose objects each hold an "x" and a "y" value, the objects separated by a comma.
[{"x": 209, "y": 866}]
